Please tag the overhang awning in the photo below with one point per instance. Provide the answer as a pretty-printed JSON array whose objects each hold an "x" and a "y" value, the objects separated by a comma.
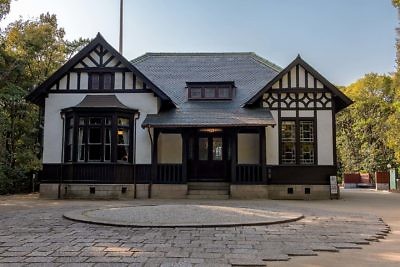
[
  {"x": 241, "y": 117},
  {"x": 100, "y": 102}
]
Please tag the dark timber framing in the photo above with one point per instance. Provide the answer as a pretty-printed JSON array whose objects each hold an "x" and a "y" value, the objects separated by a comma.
[
  {"x": 37, "y": 95},
  {"x": 341, "y": 99}
]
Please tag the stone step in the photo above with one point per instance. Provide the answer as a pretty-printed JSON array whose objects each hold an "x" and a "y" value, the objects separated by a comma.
[
  {"x": 213, "y": 196},
  {"x": 208, "y": 192},
  {"x": 208, "y": 186}
]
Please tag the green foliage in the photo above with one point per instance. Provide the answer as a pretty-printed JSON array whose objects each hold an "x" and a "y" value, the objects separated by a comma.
[
  {"x": 362, "y": 128},
  {"x": 4, "y": 8},
  {"x": 30, "y": 51}
]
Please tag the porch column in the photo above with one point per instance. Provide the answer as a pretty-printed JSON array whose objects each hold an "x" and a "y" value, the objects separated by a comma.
[
  {"x": 154, "y": 158},
  {"x": 263, "y": 155},
  {"x": 185, "y": 151},
  {"x": 234, "y": 136}
]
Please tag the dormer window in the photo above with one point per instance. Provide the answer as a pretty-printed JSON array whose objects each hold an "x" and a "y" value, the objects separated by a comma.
[{"x": 210, "y": 90}]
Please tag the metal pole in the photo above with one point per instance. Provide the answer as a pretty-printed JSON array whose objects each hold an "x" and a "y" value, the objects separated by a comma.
[{"x": 121, "y": 22}]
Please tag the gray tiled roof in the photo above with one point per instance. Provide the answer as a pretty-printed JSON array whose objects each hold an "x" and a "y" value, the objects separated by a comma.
[
  {"x": 203, "y": 114},
  {"x": 170, "y": 72}
]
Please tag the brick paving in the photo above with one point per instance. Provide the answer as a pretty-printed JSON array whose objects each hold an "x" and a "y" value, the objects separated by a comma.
[{"x": 38, "y": 235}]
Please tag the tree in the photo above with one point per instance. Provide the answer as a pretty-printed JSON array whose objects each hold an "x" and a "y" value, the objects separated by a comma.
[
  {"x": 362, "y": 127},
  {"x": 30, "y": 51},
  {"x": 392, "y": 135}
]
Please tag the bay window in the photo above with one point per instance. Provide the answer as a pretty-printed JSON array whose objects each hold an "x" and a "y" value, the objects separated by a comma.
[{"x": 99, "y": 137}]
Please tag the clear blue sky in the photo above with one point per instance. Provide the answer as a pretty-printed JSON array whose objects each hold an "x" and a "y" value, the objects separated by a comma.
[{"x": 343, "y": 39}]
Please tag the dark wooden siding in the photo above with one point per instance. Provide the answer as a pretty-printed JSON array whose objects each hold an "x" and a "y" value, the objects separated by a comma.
[
  {"x": 172, "y": 174},
  {"x": 95, "y": 173}
]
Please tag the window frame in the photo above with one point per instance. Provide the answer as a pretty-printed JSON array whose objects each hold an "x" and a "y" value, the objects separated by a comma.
[
  {"x": 298, "y": 144},
  {"x": 112, "y": 117},
  {"x": 101, "y": 81},
  {"x": 217, "y": 87}
]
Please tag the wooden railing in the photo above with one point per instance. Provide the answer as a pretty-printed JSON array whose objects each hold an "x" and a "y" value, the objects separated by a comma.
[
  {"x": 102, "y": 173},
  {"x": 249, "y": 174},
  {"x": 169, "y": 174}
]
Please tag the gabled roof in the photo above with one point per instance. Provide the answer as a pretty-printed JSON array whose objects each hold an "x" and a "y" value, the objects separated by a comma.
[
  {"x": 42, "y": 90},
  {"x": 171, "y": 72},
  {"x": 343, "y": 100}
]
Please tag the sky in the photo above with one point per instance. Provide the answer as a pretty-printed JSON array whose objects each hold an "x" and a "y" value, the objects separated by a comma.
[{"x": 342, "y": 39}]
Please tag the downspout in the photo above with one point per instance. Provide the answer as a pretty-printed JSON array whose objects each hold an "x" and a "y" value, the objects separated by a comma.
[
  {"x": 152, "y": 155},
  {"x": 62, "y": 155},
  {"x": 134, "y": 154}
]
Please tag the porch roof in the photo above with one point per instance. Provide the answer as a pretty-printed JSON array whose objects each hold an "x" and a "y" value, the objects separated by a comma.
[
  {"x": 208, "y": 117},
  {"x": 101, "y": 102}
]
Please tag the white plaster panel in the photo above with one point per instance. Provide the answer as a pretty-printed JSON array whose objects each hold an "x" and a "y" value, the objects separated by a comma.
[
  {"x": 285, "y": 81},
  {"x": 88, "y": 62},
  {"x": 95, "y": 57},
  {"x": 128, "y": 80},
  {"x": 139, "y": 83},
  {"x": 306, "y": 113},
  {"x": 63, "y": 83},
  {"x": 293, "y": 77},
  {"x": 275, "y": 85},
  {"x": 272, "y": 141},
  {"x": 79, "y": 66},
  {"x": 84, "y": 81},
  {"x": 319, "y": 85},
  {"x": 118, "y": 80},
  {"x": 325, "y": 137},
  {"x": 248, "y": 148},
  {"x": 146, "y": 103},
  {"x": 73, "y": 80},
  {"x": 170, "y": 148},
  {"x": 106, "y": 57},
  {"x": 310, "y": 81},
  {"x": 302, "y": 77},
  {"x": 54, "y": 87},
  {"x": 288, "y": 113},
  {"x": 53, "y": 124},
  {"x": 114, "y": 62}
]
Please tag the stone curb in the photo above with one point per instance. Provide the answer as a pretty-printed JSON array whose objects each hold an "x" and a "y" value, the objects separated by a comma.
[{"x": 78, "y": 216}]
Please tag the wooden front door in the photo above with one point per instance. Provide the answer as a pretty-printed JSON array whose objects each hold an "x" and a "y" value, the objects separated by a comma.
[{"x": 209, "y": 157}]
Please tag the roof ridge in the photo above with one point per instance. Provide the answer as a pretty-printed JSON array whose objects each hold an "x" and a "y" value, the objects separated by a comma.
[
  {"x": 149, "y": 54},
  {"x": 266, "y": 62},
  {"x": 253, "y": 55}
]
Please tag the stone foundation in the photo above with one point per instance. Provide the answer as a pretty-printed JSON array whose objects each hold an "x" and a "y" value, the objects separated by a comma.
[
  {"x": 169, "y": 190},
  {"x": 49, "y": 191},
  {"x": 305, "y": 192},
  {"x": 87, "y": 191},
  {"x": 248, "y": 191},
  {"x": 180, "y": 191}
]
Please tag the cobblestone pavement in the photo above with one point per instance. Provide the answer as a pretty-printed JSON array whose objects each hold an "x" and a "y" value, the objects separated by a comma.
[{"x": 33, "y": 233}]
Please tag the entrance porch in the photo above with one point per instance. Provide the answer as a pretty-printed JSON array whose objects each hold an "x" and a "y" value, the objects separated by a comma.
[{"x": 230, "y": 155}]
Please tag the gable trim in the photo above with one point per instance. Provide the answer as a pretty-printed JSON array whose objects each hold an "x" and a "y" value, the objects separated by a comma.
[
  {"x": 44, "y": 88},
  {"x": 317, "y": 76}
]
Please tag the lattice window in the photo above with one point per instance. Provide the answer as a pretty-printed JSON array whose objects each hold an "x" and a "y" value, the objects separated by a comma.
[
  {"x": 306, "y": 142},
  {"x": 297, "y": 142},
  {"x": 288, "y": 137}
]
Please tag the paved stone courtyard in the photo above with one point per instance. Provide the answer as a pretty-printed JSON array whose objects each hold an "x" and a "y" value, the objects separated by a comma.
[{"x": 34, "y": 233}]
